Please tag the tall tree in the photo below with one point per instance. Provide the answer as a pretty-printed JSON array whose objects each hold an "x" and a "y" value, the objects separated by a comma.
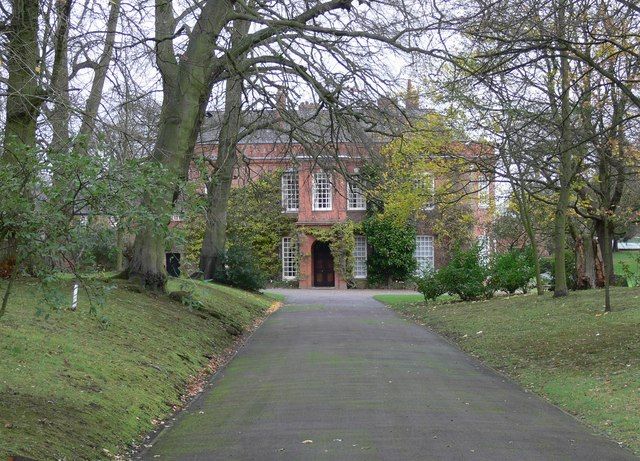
[
  {"x": 219, "y": 183},
  {"x": 280, "y": 35},
  {"x": 25, "y": 96}
]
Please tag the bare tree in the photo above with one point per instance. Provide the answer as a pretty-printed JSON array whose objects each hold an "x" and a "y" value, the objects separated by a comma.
[{"x": 277, "y": 28}]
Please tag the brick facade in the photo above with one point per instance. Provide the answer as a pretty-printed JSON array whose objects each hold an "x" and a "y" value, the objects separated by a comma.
[{"x": 266, "y": 152}]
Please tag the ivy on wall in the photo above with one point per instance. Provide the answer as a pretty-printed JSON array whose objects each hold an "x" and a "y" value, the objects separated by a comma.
[
  {"x": 254, "y": 221},
  {"x": 342, "y": 242}
]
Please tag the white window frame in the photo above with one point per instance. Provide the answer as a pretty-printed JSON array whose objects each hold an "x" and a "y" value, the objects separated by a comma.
[
  {"x": 289, "y": 257},
  {"x": 485, "y": 250},
  {"x": 355, "y": 198},
  {"x": 324, "y": 179},
  {"x": 290, "y": 191},
  {"x": 424, "y": 254},
  {"x": 360, "y": 257},
  {"x": 429, "y": 182},
  {"x": 483, "y": 193}
]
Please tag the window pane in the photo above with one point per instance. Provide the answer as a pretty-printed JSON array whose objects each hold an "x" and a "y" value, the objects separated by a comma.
[
  {"x": 424, "y": 253},
  {"x": 360, "y": 257},
  {"x": 355, "y": 197},
  {"x": 483, "y": 193},
  {"x": 290, "y": 194},
  {"x": 322, "y": 199},
  {"x": 289, "y": 258}
]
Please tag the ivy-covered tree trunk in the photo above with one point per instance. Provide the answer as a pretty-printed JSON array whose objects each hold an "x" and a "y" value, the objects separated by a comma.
[
  {"x": 23, "y": 103},
  {"x": 218, "y": 189}
]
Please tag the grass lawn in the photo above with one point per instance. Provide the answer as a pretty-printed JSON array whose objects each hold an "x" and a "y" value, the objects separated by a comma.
[
  {"x": 275, "y": 296},
  {"x": 396, "y": 299},
  {"x": 628, "y": 257},
  {"x": 82, "y": 385},
  {"x": 567, "y": 350}
]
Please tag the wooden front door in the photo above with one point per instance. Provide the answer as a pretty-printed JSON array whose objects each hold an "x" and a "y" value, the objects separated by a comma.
[{"x": 323, "y": 274}]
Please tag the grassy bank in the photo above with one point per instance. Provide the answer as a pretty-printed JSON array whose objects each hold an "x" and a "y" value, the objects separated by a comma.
[
  {"x": 83, "y": 385},
  {"x": 566, "y": 350}
]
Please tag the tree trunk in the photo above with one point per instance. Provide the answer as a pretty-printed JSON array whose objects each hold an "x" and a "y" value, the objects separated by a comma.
[
  {"x": 88, "y": 126},
  {"x": 60, "y": 114},
  {"x": 119, "y": 266},
  {"x": 582, "y": 281},
  {"x": 603, "y": 232},
  {"x": 22, "y": 108},
  {"x": 589, "y": 260},
  {"x": 527, "y": 221},
  {"x": 608, "y": 264},
  {"x": 187, "y": 87},
  {"x": 599, "y": 265},
  {"x": 219, "y": 187},
  {"x": 565, "y": 173},
  {"x": 585, "y": 264},
  {"x": 147, "y": 266}
]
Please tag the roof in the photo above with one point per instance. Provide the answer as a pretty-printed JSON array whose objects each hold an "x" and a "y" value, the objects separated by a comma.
[{"x": 308, "y": 123}]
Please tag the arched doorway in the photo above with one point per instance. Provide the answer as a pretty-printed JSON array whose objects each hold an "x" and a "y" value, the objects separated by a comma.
[{"x": 323, "y": 273}]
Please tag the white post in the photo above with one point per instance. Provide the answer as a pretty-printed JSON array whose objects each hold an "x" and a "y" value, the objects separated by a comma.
[{"x": 74, "y": 301}]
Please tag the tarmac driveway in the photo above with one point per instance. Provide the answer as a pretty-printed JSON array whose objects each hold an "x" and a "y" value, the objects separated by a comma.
[{"x": 335, "y": 375}]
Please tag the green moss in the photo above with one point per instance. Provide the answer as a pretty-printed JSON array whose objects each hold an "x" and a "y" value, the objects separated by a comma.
[
  {"x": 564, "y": 349},
  {"x": 401, "y": 298},
  {"x": 77, "y": 385}
]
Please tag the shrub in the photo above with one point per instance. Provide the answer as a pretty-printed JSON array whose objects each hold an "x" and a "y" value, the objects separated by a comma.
[
  {"x": 548, "y": 265},
  {"x": 393, "y": 246},
  {"x": 242, "y": 270},
  {"x": 465, "y": 275},
  {"x": 630, "y": 272},
  {"x": 512, "y": 270},
  {"x": 429, "y": 284}
]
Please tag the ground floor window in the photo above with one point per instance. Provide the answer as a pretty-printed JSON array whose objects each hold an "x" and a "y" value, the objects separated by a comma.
[
  {"x": 483, "y": 242},
  {"x": 289, "y": 258},
  {"x": 424, "y": 252},
  {"x": 360, "y": 257}
]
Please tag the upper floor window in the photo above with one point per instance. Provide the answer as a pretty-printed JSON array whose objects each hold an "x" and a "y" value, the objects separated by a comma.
[
  {"x": 425, "y": 186},
  {"x": 355, "y": 197},
  {"x": 429, "y": 188},
  {"x": 483, "y": 192},
  {"x": 290, "y": 192},
  {"x": 360, "y": 257},
  {"x": 424, "y": 253},
  {"x": 322, "y": 191}
]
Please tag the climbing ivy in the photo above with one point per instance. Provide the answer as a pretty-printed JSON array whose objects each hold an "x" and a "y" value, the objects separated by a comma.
[
  {"x": 254, "y": 221},
  {"x": 342, "y": 242}
]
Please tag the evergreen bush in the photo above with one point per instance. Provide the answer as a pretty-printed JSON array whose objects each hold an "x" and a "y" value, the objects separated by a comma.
[
  {"x": 465, "y": 275},
  {"x": 512, "y": 270}
]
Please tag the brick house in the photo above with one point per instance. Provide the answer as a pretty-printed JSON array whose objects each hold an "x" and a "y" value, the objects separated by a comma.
[{"x": 320, "y": 191}]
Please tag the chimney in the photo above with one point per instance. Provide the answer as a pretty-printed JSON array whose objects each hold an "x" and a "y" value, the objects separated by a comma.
[
  {"x": 412, "y": 98},
  {"x": 387, "y": 104},
  {"x": 307, "y": 107},
  {"x": 281, "y": 100}
]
